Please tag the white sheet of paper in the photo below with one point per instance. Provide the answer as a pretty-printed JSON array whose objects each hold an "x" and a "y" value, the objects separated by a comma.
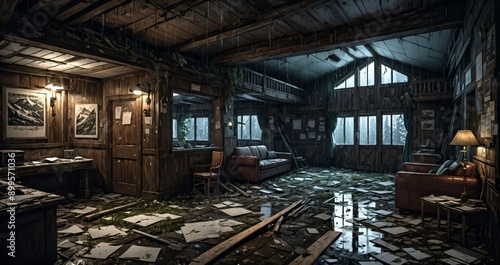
[
  {"x": 102, "y": 251},
  {"x": 127, "y": 118},
  {"x": 118, "y": 112},
  {"x": 105, "y": 231},
  {"x": 146, "y": 254},
  {"x": 143, "y": 220},
  {"x": 84, "y": 210},
  {"x": 71, "y": 230},
  {"x": 236, "y": 211}
]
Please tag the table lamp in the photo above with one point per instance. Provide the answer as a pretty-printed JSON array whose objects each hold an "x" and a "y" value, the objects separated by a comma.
[{"x": 464, "y": 138}]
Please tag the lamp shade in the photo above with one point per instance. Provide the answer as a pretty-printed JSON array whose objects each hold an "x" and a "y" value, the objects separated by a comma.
[{"x": 464, "y": 138}]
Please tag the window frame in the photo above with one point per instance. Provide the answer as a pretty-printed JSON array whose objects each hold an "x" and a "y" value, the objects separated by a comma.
[
  {"x": 367, "y": 116},
  {"x": 344, "y": 131},
  {"x": 195, "y": 129},
  {"x": 391, "y": 115},
  {"x": 392, "y": 70},
  {"x": 239, "y": 127}
]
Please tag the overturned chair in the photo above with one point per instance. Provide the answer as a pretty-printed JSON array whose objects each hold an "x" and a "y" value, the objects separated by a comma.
[{"x": 205, "y": 175}]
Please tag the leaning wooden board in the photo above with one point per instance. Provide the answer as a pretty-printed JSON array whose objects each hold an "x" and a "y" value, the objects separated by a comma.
[{"x": 317, "y": 248}]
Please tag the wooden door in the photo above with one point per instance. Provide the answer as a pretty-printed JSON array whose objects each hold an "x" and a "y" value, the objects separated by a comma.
[{"x": 126, "y": 158}]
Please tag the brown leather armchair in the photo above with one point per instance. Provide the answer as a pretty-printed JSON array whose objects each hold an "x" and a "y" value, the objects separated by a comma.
[{"x": 416, "y": 180}]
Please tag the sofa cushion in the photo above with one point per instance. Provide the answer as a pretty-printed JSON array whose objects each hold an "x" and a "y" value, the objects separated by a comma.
[
  {"x": 262, "y": 151},
  {"x": 255, "y": 151},
  {"x": 242, "y": 151},
  {"x": 279, "y": 161},
  {"x": 271, "y": 155},
  {"x": 444, "y": 167},
  {"x": 471, "y": 170},
  {"x": 268, "y": 164}
]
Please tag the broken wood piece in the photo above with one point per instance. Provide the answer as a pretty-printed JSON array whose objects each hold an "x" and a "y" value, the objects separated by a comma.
[
  {"x": 240, "y": 190},
  {"x": 111, "y": 210},
  {"x": 317, "y": 248},
  {"x": 278, "y": 224},
  {"x": 226, "y": 187},
  {"x": 60, "y": 253},
  {"x": 175, "y": 246},
  {"x": 213, "y": 253}
]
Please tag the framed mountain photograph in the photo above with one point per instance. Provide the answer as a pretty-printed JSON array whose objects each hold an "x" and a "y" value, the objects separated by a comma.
[
  {"x": 25, "y": 113},
  {"x": 86, "y": 121}
]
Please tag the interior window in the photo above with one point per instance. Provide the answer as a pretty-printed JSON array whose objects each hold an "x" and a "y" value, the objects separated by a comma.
[{"x": 191, "y": 120}]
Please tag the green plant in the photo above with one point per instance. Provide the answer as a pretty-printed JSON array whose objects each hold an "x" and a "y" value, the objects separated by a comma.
[{"x": 183, "y": 129}]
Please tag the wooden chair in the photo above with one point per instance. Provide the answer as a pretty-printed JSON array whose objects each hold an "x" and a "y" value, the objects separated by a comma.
[{"x": 204, "y": 175}]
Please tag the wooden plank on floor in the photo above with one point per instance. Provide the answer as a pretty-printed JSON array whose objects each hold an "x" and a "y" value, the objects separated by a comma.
[
  {"x": 317, "y": 248},
  {"x": 108, "y": 211},
  {"x": 213, "y": 253}
]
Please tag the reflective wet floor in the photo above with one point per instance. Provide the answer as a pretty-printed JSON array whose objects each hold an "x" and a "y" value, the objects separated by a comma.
[{"x": 360, "y": 205}]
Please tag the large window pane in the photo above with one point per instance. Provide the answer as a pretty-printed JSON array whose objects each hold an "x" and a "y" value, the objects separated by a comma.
[
  {"x": 393, "y": 130},
  {"x": 190, "y": 126},
  {"x": 399, "y": 135},
  {"x": 386, "y": 74},
  {"x": 372, "y": 130},
  {"x": 371, "y": 74},
  {"x": 202, "y": 129},
  {"x": 386, "y": 129},
  {"x": 363, "y": 76},
  {"x": 174, "y": 128},
  {"x": 249, "y": 128},
  {"x": 349, "y": 130},
  {"x": 367, "y": 130},
  {"x": 349, "y": 82},
  {"x": 398, "y": 77},
  {"x": 338, "y": 133},
  {"x": 363, "y": 130},
  {"x": 256, "y": 130}
]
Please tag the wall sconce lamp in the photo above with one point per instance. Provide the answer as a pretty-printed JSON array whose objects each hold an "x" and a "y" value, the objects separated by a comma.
[
  {"x": 464, "y": 138},
  {"x": 142, "y": 89},
  {"x": 53, "y": 85}
]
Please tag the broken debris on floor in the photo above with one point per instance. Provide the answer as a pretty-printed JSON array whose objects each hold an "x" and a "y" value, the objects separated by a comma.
[{"x": 112, "y": 227}]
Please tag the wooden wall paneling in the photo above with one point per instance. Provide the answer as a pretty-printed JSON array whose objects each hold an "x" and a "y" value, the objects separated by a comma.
[
  {"x": 391, "y": 159},
  {"x": 150, "y": 179},
  {"x": 367, "y": 157}
]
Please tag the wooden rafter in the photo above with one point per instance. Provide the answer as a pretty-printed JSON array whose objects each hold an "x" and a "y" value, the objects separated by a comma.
[
  {"x": 101, "y": 8},
  {"x": 251, "y": 24},
  {"x": 39, "y": 5},
  {"x": 74, "y": 7},
  {"x": 160, "y": 15},
  {"x": 6, "y": 9},
  {"x": 360, "y": 33}
]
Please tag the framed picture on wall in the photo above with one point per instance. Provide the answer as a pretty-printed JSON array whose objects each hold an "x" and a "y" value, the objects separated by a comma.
[
  {"x": 427, "y": 125},
  {"x": 25, "y": 113},
  {"x": 86, "y": 121}
]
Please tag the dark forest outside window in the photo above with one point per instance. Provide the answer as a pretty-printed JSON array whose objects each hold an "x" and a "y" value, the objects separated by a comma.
[
  {"x": 393, "y": 129},
  {"x": 248, "y": 127},
  {"x": 344, "y": 132}
]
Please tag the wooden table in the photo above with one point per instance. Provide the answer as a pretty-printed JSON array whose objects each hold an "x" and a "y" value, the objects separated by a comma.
[
  {"x": 59, "y": 166},
  {"x": 464, "y": 210},
  {"x": 433, "y": 201}
]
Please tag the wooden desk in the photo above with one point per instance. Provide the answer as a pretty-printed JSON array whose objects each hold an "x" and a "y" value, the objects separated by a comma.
[
  {"x": 60, "y": 166},
  {"x": 433, "y": 201},
  {"x": 35, "y": 231}
]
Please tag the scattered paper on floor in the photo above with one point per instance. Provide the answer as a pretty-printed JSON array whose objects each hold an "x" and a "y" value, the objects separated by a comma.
[
  {"x": 323, "y": 216},
  {"x": 146, "y": 254},
  {"x": 102, "y": 251},
  {"x": 105, "y": 231},
  {"x": 236, "y": 211},
  {"x": 396, "y": 230},
  {"x": 84, "y": 210},
  {"x": 416, "y": 254},
  {"x": 71, "y": 230},
  {"x": 209, "y": 229}
]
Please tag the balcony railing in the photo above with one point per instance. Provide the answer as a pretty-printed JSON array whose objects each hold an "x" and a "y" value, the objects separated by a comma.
[
  {"x": 429, "y": 89},
  {"x": 271, "y": 88}
]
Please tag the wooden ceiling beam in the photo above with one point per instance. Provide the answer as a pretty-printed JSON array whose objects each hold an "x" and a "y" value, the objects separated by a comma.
[
  {"x": 160, "y": 15},
  {"x": 263, "y": 20},
  {"x": 39, "y": 5},
  {"x": 6, "y": 9},
  {"x": 73, "y": 8},
  {"x": 97, "y": 9},
  {"x": 360, "y": 33}
]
